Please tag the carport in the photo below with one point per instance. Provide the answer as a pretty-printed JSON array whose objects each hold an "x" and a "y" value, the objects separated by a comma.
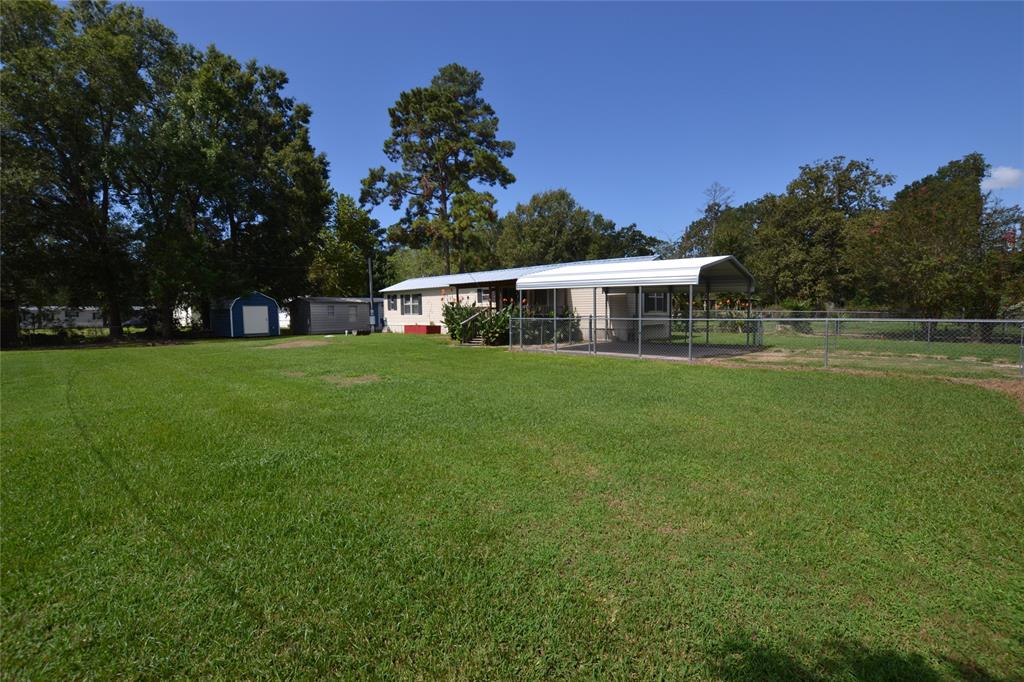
[{"x": 632, "y": 309}]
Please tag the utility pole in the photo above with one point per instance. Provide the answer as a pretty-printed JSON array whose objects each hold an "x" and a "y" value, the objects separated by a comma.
[{"x": 369, "y": 275}]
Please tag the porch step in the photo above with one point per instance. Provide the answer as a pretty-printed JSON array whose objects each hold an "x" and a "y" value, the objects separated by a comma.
[{"x": 475, "y": 341}]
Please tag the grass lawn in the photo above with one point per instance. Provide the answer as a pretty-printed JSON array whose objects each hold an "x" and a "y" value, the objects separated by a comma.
[{"x": 394, "y": 507}]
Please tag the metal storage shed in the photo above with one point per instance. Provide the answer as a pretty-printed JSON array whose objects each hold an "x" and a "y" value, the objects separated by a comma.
[
  {"x": 254, "y": 314},
  {"x": 331, "y": 314}
]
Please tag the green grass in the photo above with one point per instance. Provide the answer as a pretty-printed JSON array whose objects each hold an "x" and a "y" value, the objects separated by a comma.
[{"x": 220, "y": 509}]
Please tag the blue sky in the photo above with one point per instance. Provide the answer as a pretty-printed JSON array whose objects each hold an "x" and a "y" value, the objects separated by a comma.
[{"x": 636, "y": 108}]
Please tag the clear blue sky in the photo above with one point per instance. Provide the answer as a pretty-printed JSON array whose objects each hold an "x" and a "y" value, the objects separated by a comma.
[{"x": 636, "y": 108}]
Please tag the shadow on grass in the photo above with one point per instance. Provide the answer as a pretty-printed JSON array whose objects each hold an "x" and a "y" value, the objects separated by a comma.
[{"x": 741, "y": 657}]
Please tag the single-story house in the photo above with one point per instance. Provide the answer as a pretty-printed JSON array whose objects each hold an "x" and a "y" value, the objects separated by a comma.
[
  {"x": 333, "y": 314},
  {"x": 417, "y": 302},
  {"x": 57, "y": 317},
  {"x": 254, "y": 314},
  {"x": 611, "y": 289}
]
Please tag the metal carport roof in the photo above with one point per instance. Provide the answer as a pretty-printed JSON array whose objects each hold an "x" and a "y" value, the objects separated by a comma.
[
  {"x": 714, "y": 273},
  {"x": 508, "y": 274}
]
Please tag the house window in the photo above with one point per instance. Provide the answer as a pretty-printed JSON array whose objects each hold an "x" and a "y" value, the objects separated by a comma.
[
  {"x": 541, "y": 298},
  {"x": 483, "y": 295},
  {"x": 330, "y": 311},
  {"x": 656, "y": 302},
  {"x": 351, "y": 313},
  {"x": 412, "y": 304},
  {"x": 392, "y": 302}
]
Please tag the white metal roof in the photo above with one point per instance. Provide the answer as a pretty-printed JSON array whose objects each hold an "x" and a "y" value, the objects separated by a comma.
[
  {"x": 720, "y": 273},
  {"x": 487, "y": 276}
]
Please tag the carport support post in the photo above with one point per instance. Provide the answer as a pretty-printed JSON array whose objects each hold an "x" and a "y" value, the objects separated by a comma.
[
  {"x": 554, "y": 304},
  {"x": 519, "y": 300},
  {"x": 707, "y": 313},
  {"x": 689, "y": 326},
  {"x": 593, "y": 318},
  {"x": 640, "y": 321}
]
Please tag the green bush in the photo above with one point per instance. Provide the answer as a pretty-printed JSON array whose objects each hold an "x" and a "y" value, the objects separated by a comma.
[
  {"x": 494, "y": 328},
  {"x": 454, "y": 314}
]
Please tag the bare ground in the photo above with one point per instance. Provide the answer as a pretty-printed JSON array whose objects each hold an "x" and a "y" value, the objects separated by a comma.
[
  {"x": 339, "y": 380},
  {"x": 299, "y": 343}
]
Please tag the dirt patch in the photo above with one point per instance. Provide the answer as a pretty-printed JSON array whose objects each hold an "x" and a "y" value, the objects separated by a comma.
[
  {"x": 339, "y": 380},
  {"x": 1011, "y": 387},
  {"x": 298, "y": 343},
  {"x": 294, "y": 375}
]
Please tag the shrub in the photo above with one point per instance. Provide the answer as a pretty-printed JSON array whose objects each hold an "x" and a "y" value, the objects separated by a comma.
[
  {"x": 453, "y": 315},
  {"x": 494, "y": 328}
]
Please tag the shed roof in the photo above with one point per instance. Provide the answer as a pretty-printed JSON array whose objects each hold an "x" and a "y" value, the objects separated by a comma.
[
  {"x": 339, "y": 299},
  {"x": 719, "y": 273},
  {"x": 487, "y": 276}
]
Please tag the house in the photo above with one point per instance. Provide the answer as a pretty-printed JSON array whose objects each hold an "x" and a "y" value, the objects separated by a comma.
[
  {"x": 416, "y": 304},
  {"x": 333, "y": 314},
  {"x": 254, "y": 314},
  {"x": 62, "y": 317},
  {"x": 621, "y": 303}
]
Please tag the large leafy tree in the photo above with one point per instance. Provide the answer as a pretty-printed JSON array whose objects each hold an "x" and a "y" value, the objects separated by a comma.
[
  {"x": 73, "y": 78},
  {"x": 265, "y": 189},
  {"x": 138, "y": 170},
  {"x": 444, "y": 141},
  {"x": 346, "y": 242},
  {"x": 795, "y": 243},
  {"x": 944, "y": 247},
  {"x": 552, "y": 228}
]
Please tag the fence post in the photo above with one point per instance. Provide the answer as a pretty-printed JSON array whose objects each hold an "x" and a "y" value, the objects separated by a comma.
[
  {"x": 826, "y": 338},
  {"x": 510, "y": 333},
  {"x": 1022, "y": 350}
]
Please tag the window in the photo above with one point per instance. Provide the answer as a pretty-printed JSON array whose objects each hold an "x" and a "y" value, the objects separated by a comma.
[
  {"x": 412, "y": 304},
  {"x": 351, "y": 313},
  {"x": 483, "y": 295},
  {"x": 330, "y": 311},
  {"x": 392, "y": 301},
  {"x": 656, "y": 302},
  {"x": 541, "y": 298}
]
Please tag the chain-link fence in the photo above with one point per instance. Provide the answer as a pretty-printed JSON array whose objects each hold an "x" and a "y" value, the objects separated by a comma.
[{"x": 953, "y": 347}]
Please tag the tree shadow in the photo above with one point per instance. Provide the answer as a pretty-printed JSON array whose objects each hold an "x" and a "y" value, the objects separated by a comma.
[{"x": 742, "y": 657}]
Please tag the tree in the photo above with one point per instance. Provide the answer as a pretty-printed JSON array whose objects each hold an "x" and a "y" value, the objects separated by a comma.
[
  {"x": 699, "y": 238},
  {"x": 553, "y": 228},
  {"x": 444, "y": 139},
  {"x": 943, "y": 247},
  {"x": 352, "y": 236},
  {"x": 72, "y": 79},
  {"x": 795, "y": 243},
  {"x": 550, "y": 228},
  {"x": 138, "y": 167},
  {"x": 406, "y": 263}
]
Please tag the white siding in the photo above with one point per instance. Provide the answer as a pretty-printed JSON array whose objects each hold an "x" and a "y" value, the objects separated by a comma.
[{"x": 432, "y": 301}]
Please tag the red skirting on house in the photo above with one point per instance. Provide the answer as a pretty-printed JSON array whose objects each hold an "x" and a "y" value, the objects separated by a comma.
[{"x": 422, "y": 329}]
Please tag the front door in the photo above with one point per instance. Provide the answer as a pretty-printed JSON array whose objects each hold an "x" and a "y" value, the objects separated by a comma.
[{"x": 255, "y": 319}]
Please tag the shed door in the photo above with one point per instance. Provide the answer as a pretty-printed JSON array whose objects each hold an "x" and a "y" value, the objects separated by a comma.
[{"x": 255, "y": 319}]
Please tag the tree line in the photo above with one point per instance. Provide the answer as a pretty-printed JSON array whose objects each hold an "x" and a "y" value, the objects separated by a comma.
[
  {"x": 940, "y": 247},
  {"x": 139, "y": 170}
]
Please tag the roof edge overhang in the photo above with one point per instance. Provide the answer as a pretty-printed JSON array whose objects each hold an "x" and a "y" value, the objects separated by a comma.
[{"x": 576, "y": 277}]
